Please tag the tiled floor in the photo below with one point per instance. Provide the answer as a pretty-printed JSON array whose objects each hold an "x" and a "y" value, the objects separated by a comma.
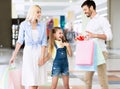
[{"x": 76, "y": 77}]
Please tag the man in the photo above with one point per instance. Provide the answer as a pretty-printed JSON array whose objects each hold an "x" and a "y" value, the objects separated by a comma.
[{"x": 98, "y": 27}]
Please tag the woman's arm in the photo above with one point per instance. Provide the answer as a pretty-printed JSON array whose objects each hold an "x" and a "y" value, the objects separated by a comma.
[
  {"x": 44, "y": 59},
  {"x": 43, "y": 49},
  {"x": 18, "y": 46},
  {"x": 41, "y": 60},
  {"x": 47, "y": 57}
]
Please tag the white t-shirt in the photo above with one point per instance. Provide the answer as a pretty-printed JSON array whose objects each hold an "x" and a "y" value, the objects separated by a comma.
[
  {"x": 100, "y": 25},
  {"x": 35, "y": 35}
]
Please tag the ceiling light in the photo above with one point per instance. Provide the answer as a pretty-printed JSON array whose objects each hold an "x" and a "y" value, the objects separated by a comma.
[
  {"x": 47, "y": 17},
  {"x": 31, "y": 1},
  {"x": 70, "y": 1}
]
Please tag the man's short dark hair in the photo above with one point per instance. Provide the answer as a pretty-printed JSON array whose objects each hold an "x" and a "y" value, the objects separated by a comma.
[{"x": 89, "y": 3}]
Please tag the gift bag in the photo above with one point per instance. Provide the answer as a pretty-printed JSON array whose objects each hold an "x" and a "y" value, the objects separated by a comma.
[
  {"x": 92, "y": 67},
  {"x": 99, "y": 54},
  {"x": 84, "y": 53},
  {"x": 15, "y": 79},
  {"x": 12, "y": 78},
  {"x": 98, "y": 59},
  {"x": 4, "y": 81}
]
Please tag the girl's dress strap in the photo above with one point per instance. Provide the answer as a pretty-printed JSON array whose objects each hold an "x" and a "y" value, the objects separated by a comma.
[{"x": 55, "y": 45}]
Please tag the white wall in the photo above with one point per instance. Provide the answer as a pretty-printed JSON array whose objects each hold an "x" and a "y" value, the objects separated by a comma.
[{"x": 114, "y": 16}]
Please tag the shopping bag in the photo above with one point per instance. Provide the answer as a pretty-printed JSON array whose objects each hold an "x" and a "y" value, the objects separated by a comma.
[
  {"x": 84, "y": 53},
  {"x": 15, "y": 79},
  {"x": 99, "y": 54},
  {"x": 92, "y": 67},
  {"x": 4, "y": 81}
]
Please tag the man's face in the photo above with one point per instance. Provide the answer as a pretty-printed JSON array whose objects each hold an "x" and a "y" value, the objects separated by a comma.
[{"x": 87, "y": 11}]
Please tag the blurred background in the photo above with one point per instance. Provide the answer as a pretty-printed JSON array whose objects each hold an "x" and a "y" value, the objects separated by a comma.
[{"x": 69, "y": 16}]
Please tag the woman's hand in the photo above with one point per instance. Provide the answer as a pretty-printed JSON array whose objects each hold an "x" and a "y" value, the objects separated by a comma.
[
  {"x": 41, "y": 61},
  {"x": 18, "y": 45},
  {"x": 12, "y": 60}
]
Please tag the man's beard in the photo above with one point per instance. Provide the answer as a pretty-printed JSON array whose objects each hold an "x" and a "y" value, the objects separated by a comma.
[{"x": 89, "y": 14}]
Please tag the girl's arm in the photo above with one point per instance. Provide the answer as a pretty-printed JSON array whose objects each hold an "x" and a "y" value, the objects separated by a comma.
[{"x": 69, "y": 50}]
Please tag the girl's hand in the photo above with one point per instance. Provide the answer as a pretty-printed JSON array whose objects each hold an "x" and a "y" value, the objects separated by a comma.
[
  {"x": 65, "y": 44},
  {"x": 69, "y": 50}
]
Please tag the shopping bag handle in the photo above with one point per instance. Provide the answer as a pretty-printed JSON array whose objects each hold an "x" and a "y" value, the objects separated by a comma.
[{"x": 12, "y": 66}]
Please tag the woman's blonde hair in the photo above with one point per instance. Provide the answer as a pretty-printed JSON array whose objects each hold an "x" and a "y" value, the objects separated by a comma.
[{"x": 31, "y": 15}]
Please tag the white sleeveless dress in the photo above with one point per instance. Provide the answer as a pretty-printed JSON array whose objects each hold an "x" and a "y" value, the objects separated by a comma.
[{"x": 32, "y": 74}]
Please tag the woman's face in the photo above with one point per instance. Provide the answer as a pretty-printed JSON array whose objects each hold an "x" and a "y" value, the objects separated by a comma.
[
  {"x": 38, "y": 13},
  {"x": 58, "y": 35}
]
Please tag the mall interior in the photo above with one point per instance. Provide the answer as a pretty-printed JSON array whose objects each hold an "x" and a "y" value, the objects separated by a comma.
[{"x": 66, "y": 14}]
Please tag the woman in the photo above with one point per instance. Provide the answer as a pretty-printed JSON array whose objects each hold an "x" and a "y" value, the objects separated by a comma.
[{"x": 33, "y": 33}]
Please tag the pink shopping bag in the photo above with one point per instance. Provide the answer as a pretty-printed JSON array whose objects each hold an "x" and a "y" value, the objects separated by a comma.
[
  {"x": 84, "y": 53},
  {"x": 15, "y": 79},
  {"x": 92, "y": 67}
]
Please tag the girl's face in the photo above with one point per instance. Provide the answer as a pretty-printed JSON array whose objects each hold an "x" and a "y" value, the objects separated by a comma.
[{"x": 58, "y": 35}]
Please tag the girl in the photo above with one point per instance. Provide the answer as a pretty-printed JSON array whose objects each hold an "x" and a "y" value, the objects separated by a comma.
[
  {"x": 33, "y": 33},
  {"x": 58, "y": 49}
]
